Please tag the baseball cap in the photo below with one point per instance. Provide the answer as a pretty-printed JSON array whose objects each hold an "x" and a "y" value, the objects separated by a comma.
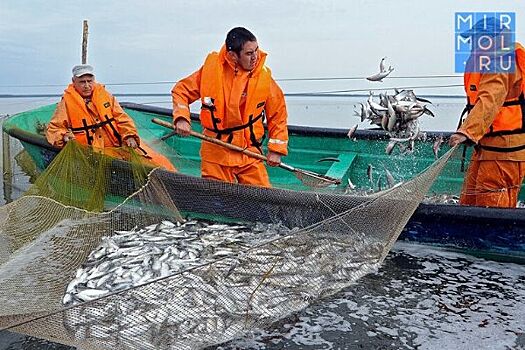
[{"x": 83, "y": 69}]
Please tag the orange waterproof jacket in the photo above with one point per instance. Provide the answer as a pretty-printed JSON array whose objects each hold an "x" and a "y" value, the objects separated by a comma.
[
  {"x": 240, "y": 100},
  {"x": 101, "y": 123},
  {"x": 496, "y": 121}
]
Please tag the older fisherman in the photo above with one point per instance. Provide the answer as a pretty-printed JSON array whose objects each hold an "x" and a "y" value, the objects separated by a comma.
[
  {"x": 237, "y": 93},
  {"x": 495, "y": 123},
  {"x": 89, "y": 114}
]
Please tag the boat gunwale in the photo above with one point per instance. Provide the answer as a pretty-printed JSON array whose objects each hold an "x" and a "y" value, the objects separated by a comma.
[
  {"x": 433, "y": 213},
  {"x": 444, "y": 210},
  {"x": 370, "y": 134}
]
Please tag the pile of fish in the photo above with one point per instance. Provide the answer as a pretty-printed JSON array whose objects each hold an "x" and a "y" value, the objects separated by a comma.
[
  {"x": 191, "y": 285},
  {"x": 396, "y": 114},
  {"x": 131, "y": 258}
]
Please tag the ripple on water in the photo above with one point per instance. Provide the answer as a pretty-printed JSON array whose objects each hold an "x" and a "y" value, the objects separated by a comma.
[{"x": 420, "y": 298}]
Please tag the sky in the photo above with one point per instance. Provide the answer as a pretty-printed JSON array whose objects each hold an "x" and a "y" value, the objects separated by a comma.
[{"x": 161, "y": 40}]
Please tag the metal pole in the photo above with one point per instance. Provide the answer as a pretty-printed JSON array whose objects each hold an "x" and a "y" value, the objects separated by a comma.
[
  {"x": 84, "y": 42},
  {"x": 6, "y": 167}
]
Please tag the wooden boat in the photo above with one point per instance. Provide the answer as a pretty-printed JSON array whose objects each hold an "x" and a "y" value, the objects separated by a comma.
[{"x": 489, "y": 232}]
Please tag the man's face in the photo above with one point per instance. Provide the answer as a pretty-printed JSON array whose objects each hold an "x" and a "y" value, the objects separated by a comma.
[
  {"x": 248, "y": 56},
  {"x": 84, "y": 85}
]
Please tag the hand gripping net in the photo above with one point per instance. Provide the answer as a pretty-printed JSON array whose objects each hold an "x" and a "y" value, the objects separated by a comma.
[{"x": 332, "y": 241}]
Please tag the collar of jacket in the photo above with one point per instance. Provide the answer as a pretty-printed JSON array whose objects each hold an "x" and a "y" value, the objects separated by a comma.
[
  {"x": 71, "y": 90},
  {"x": 224, "y": 58}
]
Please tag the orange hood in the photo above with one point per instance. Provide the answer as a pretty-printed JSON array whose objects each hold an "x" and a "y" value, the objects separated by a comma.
[{"x": 261, "y": 59}]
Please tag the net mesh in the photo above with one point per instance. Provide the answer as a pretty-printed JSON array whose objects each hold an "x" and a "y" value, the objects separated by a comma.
[
  {"x": 232, "y": 284},
  {"x": 85, "y": 178}
]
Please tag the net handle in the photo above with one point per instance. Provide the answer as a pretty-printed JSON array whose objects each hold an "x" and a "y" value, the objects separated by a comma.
[{"x": 301, "y": 174}]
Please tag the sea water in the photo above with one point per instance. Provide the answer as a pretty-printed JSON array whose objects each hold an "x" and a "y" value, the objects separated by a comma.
[{"x": 421, "y": 297}]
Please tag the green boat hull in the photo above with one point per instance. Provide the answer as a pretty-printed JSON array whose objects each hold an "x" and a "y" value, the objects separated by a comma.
[
  {"x": 488, "y": 232},
  {"x": 324, "y": 151}
]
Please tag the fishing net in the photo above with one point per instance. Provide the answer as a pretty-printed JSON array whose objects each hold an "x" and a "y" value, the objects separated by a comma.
[
  {"x": 221, "y": 259},
  {"x": 86, "y": 178}
]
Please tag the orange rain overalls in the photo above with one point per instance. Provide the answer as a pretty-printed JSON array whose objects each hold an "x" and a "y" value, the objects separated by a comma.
[
  {"x": 496, "y": 124},
  {"x": 100, "y": 122},
  {"x": 241, "y": 99}
]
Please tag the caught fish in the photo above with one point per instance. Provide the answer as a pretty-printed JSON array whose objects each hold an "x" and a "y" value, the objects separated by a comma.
[
  {"x": 203, "y": 286},
  {"x": 383, "y": 72},
  {"x": 351, "y": 132},
  {"x": 389, "y": 178},
  {"x": 382, "y": 64},
  {"x": 350, "y": 187},
  {"x": 363, "y": 113},
  {"x": 392, "y": 117},
  {"x": 154, "y": 251},
  {"x": 390, "y": 147},
  {"x": 379, "y": 183},
  {"x": 437, "y": 145},
  {"x": 420, "y": 99},
  {"x": 369, "y": 171},
  {"x": 398, "y": 115},
  {"x": 428, "y": 111},
  {"x": 396, "y": 139}
]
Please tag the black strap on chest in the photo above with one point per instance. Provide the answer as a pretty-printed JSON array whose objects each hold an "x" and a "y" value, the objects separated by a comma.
[
  {"x": 518, "y": 102},
  {"x": 501, "y": 149},
  {"x": 229, "y": 131},
  {"x": 87, "y": 128}
]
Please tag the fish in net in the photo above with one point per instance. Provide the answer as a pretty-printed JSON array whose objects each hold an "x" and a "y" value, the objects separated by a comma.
[{"x": 208, "y": 282}]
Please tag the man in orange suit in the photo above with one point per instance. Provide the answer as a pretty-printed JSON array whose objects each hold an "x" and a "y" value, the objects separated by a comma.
[
  {"x": 237, "y": 93},
  {"x": 495, "y": 123},
  {"x": 89, "y": 114}
]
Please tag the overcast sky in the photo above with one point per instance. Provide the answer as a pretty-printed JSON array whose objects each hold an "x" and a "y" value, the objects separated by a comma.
[{"x": 148, "y": 41}]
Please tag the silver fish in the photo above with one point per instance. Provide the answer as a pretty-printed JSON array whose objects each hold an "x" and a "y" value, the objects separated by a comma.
[
  {"x": 352, "y": 131},
  {"x": 379, "y": 183},
  {"x": 382, "y": 64},
  {"x": 383, "y": 72},
  {"x": 389, "y": 178},
  {"x": 369, "y": 171},
  {"x": 390, "y": 147},
  {"x": 437, "y": 145},
  {"x": 209, "y": 304},
  {"x": 361, "y": 113},
  {"x": 397, "y": 114},
  {"x": 392, "y": 117}
]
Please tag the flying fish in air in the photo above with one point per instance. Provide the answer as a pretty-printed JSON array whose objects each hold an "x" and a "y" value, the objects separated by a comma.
[{"x": 383, "y": 72}]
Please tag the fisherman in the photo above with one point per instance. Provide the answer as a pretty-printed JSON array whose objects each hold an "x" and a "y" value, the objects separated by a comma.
[
  {"x": 495, "y": 120},
  {"x": 89, "y": 114},
  {"x": 237, "y": 93}
]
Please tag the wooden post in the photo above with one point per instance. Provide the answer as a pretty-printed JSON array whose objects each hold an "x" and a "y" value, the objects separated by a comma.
[
  {"x": 6, "y": 167},
  {"x": 84, "y": 42}
]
